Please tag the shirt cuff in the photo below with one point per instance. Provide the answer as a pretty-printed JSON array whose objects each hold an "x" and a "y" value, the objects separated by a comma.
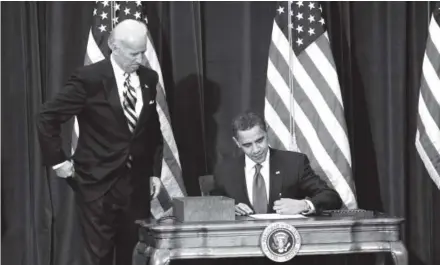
[
  {"x": 57, "y": 166},
  {"x": 311, "y": 208}
]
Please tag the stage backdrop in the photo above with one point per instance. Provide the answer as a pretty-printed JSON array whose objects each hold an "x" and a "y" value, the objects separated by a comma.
[{"x": 214, "y": 61}]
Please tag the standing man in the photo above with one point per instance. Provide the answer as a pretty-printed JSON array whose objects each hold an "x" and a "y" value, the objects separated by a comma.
[
  {"x": 120, "y": 137},
  {"x": 265, "y": 180}
]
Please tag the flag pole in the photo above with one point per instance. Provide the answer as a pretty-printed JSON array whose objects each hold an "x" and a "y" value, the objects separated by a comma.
[
  {"x": 293, "y": 145},
  {"x": 112, "y": 9},
  {"x": 429, "y": 13}
]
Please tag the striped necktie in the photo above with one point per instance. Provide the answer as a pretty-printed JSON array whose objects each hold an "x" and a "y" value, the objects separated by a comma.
[
  {"x": 129, "y": 106},
  {"x": 130, "y": 103}
]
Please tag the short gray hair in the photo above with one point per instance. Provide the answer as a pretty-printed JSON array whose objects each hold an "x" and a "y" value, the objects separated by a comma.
[{"x": 112, "y": 38}]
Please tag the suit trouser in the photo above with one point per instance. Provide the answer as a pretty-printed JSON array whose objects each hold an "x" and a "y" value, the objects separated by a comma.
[{"x": 108, "y": 223}]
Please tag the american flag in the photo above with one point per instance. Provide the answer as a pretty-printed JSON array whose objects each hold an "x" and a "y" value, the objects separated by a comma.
[
  {"x": 428, "y": 119},
  {"x": 303, "y": 104},
  {"x": 107, "y": 14}
]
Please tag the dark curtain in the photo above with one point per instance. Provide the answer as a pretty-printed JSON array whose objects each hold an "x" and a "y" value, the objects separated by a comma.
[
  {"x": 378, "y": 48},
  {"x": 214, "y": 60}
]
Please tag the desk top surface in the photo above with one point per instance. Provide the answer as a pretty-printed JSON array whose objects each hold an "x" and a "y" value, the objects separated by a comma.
[{"x": 330, "y": 218}]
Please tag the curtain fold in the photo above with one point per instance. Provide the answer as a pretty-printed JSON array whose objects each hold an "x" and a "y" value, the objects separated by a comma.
[{"x": 26, "y": 206}]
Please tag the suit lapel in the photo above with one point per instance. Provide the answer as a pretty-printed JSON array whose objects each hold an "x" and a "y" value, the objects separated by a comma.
[
  {"x": 112, "y": 95},
  {"x": 276, "y": 179},
  {"x": 241, "y": 190}
]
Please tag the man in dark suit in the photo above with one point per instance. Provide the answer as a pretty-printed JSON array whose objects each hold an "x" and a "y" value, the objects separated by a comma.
[
  {"x": 265, "y": 180},
  {"x": 114, "y": 102}
]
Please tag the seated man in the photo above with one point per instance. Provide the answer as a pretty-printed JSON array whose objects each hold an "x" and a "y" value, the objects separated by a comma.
[{"x": 265, "y": 180}]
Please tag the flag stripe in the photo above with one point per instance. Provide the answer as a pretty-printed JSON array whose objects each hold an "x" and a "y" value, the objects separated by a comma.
[
  {"x": 432, "y": 53},
  {"x": 165, "y": 117},
  {"x": 171, "y": 168},
  {"x": 303, "y": 106},
  {"x": 275, "y": 142},
  {"x": 175, "y": 188},
  {"x": 94, "y": 54},
  {"x": 326, "y": 162},
  {"x": 276, "y": 102},
  {"x": 279, "y": 86},
  {"x": 274, "y": 97},
  {"x": 306, "y": 148},
  {"x": 280, "y": 131},
  {"x": 325, "y": 113},
  {"x": 164, "y": 198},
  {"x": 326, "y": 70},
  {"x": 433, "y": 172},
  {"x": 96, "y": 49},
  {"x": 432, "y": 129},
  {"x": 324, "y": 135},
  {"x": 434, "y": 33},
  {"x": 282, "y": 68},
  {"x": 429, "y": 101},
  {"x": 324, "y": 46},
  {"x": 169, "y": 154},
  {"x": 429, "y": 147},
  {"x": 271, "y": 114},
  {"x": 428, "y": 120},
  {"x": 431, "y": 78},
  {"x": 312, "y": 91},
  {"x": 281, "y": 44},
  {"x": 87, "y": 60},
  {"x": 327, "y": 93}
]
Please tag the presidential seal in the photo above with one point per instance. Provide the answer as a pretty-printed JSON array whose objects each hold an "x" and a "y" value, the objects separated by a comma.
[{"x": 280, "y": 242}]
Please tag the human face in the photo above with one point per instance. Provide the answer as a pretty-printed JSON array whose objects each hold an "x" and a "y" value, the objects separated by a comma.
[
  {"x": 253, "y": 142},
  {"x": 129, "y": 55}
]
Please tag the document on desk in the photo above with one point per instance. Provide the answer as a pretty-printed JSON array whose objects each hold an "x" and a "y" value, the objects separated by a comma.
[{"x": 275, "y": 216}]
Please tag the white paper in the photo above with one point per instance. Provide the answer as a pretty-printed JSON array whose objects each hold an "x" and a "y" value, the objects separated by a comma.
[{"x": 273, "y": 216}]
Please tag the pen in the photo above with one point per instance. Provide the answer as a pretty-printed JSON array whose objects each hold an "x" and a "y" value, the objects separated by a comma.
[{"x": 324, "y": 213}]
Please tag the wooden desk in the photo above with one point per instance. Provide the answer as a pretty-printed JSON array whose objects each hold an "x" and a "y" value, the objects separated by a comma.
[{"x": 342, "y": 232}]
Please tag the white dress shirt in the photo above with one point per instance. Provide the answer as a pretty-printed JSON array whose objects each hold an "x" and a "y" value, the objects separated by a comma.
[
  {"x": 134, "y": 82},
  {"x": 250, "y": 173},
  {"x": 120, "y": 79},
  {"x": 249, "y": 169}
]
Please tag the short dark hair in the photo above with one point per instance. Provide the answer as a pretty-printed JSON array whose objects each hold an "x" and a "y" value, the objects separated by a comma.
[{"x": 246, "y": 121}]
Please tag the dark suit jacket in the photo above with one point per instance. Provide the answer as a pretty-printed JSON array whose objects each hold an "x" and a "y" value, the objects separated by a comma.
[
  {"x": 290, "y": 175},
  {"x": 105, "y": 140}
]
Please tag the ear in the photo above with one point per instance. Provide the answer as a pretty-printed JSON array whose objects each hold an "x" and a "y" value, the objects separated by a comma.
[{"x": 112, "y": 46}]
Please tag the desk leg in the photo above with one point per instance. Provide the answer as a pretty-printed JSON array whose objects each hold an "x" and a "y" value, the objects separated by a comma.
[
  {"x": 160, "y": 257},
  {"x": 399, "y": 253},
  {"x": 141, "y": 254}
]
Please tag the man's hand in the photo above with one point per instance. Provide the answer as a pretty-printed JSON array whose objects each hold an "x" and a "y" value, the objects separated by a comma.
[
  {"x": 65, "y": 169},
  {"x": 290, "y": 206},
  {"x": 243, "y": 209},
  {"x": 154, "y": 187}
]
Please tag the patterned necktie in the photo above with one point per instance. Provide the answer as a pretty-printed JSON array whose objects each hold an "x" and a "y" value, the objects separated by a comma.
[
  {"x": 259, "y": 195},
  {"x": 130, "y": 103},
  {"x": 129, "y": 106}
]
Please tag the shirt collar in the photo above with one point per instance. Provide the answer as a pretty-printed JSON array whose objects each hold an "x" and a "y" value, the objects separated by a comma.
[
  {"x": 250, "y": 164},
  {"x": 116, "y": 68}
]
